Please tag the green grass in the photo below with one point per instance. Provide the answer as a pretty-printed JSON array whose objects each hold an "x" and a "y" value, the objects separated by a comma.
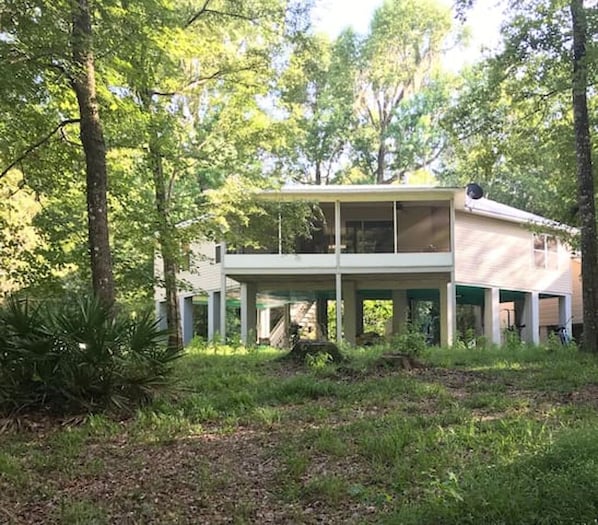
[{"x": 478, "y": 436}]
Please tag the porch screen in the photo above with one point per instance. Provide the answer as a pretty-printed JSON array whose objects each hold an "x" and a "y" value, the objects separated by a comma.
[{"x": 369, "y": 237}]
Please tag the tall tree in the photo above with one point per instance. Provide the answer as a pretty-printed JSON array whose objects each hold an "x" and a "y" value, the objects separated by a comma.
[
  {"x": 194, "y": 79},
  {"x": 317, "y": 97},
  {"x": 92, "y": 139},
  {"x": 585, "y": 178},
  {"x": 43, "y": 61},
  {"x": 394, "y": 61}
]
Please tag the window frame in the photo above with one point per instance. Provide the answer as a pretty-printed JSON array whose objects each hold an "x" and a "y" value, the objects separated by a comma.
[{"x": 549, "y": 251}]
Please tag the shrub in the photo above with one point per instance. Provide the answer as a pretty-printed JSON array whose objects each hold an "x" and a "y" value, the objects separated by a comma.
[
  {"x": 76, "y": 355},
  {"x": 410, "y": 341},
  {"x": 318, "y": 361}
]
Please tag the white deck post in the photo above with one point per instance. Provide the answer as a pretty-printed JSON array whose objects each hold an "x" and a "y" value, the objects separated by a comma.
[
  {"x": 339, "y": 309},
  {"x": 187, "y": 319},
  {"x": 448, "y": 305},
  {"x": 223, "y": 307},
  {"x": 492, "y": 315},
  {"x": 248, "y": 313},
  {"x": 264, "y": 323},
  {"x": 182, "y": 316},
  {"x": 531, "y": 318},
  {"x": 213, "y": 315},
  {"x": 349, "y": 311},
  {"x": 338, "y": 282},
  {"x": 565, "y": 313}
]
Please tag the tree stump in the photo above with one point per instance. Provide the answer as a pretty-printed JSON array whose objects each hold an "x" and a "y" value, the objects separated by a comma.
[
  {"x": 369, "y": 339},
  {"x": 303, "y": 348},
  {"x": 398, "y": 360}
]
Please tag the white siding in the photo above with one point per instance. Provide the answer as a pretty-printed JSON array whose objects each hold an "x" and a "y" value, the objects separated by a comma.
[
  {"x": 490, "y": 252},
  {"x": 203, "y": 275}
]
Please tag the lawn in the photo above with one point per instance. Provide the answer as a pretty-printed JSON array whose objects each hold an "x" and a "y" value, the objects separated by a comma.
[{"x": 474, "y": 436}]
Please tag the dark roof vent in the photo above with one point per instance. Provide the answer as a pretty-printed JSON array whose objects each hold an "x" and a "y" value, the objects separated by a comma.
[{"x": 474, "y": 191}]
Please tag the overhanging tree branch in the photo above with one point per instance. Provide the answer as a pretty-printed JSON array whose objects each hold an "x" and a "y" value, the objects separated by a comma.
[
  {"x": 39, "y": 143},
  {"x": 219, "y": 74},
  {"x": 205, "y": 10}
]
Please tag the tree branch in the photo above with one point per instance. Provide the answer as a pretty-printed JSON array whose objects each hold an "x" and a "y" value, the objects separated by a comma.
[
  {"x": 39, "y": 143},
  {"x": 201, "y": 80},
  {"x": 205, "y": 10}
]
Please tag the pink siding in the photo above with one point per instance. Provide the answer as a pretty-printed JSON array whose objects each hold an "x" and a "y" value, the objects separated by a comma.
[{"x": 490, "y": 252}]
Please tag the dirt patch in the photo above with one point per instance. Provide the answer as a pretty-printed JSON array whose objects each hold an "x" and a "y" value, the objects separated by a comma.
[{"x": 213, "y": 478}]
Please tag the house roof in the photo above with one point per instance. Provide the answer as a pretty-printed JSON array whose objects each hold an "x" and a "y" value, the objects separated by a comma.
[
  {"x": 484, "y": 207},
  {"x": 332, "y": 192},
  {"x": 497, "y": 210}
]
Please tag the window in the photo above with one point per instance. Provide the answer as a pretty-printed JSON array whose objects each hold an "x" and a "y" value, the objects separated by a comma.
[
  {"x": 546, "y": 251},
  {"x": 218, "y": 253}
]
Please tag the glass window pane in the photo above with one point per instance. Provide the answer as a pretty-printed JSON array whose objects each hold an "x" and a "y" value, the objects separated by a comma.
[{"x": 538, "y": 242}]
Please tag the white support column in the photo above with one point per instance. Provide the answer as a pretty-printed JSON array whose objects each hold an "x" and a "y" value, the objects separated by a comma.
[
  {"x": 565, "y": 315},
  {"x": 264, "y": 323},
  {"x": 338, "y": 282},
  {"x": 400, "y": 311},
  {"x": 395, "y": 226},
  {"x": 531, "y": 318},
  {"x": 339, "y": 309},
  {"x": 161, "y": 315},
  {"x": 187, "y": 319},
  {"x": 349, "y": 311},
  {"x": 213, "y": 315},
  {"x": 182, "y": 315},
  {"x": 492, "y": 315},
  {"x": 223, "y": 307},
  {"x": 448, "y": 320},
  {"x": 248, "y": 313}
]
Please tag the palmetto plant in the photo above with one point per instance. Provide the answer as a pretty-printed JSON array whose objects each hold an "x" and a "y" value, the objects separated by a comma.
[{"x": 77, "y": 355}]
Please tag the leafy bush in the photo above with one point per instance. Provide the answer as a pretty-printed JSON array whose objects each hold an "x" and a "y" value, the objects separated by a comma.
[
  {"x": 318, "y": 361},
  {"x": 410, "y": 341},
  {"x": 76, "y": 355}
]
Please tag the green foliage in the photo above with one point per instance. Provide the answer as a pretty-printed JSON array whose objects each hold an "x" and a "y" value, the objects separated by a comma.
[
  {"x": 410, "y": 341},
  {"x": 76, "y": 355},
  {"x": 394, "y": 61},
  {"x": 317, "y": 97},
  {"x": 376, "y": 315},
  {"x": 512, "y": 124},
  {"x": 477, "y": 436},
  {"x": 318, "y": 361}
]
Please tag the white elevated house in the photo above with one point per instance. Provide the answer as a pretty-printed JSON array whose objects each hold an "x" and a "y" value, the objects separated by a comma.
[{"x": 400, "y": 243}]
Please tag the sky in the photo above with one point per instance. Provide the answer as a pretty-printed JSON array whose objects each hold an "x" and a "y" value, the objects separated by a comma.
[{"x": 331, "y": 16}]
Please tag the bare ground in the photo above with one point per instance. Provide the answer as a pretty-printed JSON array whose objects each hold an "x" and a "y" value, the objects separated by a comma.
[{"x": 215, "y": 477}]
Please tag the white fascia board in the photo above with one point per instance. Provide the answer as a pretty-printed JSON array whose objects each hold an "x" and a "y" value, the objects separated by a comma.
[{"x": 365, "y": 192}]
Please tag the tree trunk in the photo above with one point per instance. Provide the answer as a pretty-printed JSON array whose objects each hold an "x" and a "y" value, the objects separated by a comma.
[
  {"x": 168, "y": 249},
  {"x": 585, "y": 181},
  {"x": 92, "y": 138},
  {"x": 318, "y": 173},
  {"x": 381, "y": 164}
]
